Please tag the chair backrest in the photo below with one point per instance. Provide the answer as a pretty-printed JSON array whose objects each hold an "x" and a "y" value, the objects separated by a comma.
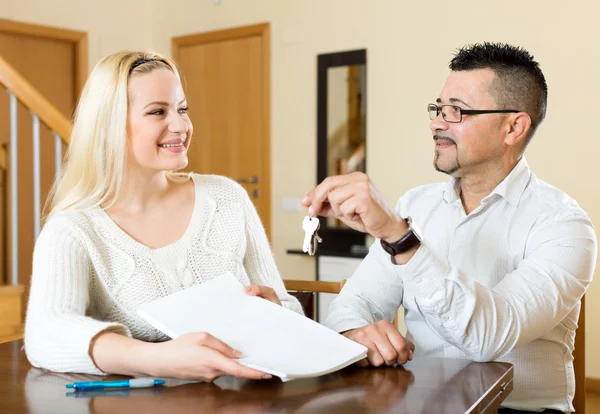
[
  {"x": 305, "y": 290},
  {"x": 579, "y": 362}
]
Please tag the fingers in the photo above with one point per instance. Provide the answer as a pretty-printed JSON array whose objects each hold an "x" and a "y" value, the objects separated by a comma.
[
  {"x": 363, "y": 363},
  {"x": 209, "y": 341},
  {"x": 264, "y": 292},
  {"x": 218, "y": 356},
  {"x": 319, "y": 195},
  {"x": 403, "y": 347},
  {"x": 353, "y": 199},
  {"x": 385, "y": 345},
  {"x": 340, "y": 196},
  {"x": 230, "y": 367},
  {"x": 367, "y": 336},
  {"x": 411, "y": 350},
  {"x": 386, "y": 350},
  {"x": 374, "y": 356}
]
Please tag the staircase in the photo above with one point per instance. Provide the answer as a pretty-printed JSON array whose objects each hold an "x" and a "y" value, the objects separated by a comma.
[{"x": 42, "y": 114}]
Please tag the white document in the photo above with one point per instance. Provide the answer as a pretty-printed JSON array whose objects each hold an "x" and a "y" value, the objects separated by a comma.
[{"x": 271, "y": 338}]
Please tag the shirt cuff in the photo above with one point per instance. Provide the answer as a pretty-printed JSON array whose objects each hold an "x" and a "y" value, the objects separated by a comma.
[{"x": 345, "y": 324}]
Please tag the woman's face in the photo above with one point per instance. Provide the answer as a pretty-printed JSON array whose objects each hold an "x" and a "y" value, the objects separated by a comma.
[{"x": 159, "y": 130}]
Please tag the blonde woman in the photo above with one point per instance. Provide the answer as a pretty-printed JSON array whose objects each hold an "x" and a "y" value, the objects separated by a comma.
[{"x": 123, "y": 229}]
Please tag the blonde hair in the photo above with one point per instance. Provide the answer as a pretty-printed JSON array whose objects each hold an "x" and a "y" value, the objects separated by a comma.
[{"x": 97, "y": 154}]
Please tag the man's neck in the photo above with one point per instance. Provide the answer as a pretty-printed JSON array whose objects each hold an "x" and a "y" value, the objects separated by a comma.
[{"x": 474, "y": 187}]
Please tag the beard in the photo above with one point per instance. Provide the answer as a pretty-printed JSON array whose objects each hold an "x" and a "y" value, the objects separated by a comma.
[
  {"x": 449, "y": 169},
  {"x": 455, "y": 166}
]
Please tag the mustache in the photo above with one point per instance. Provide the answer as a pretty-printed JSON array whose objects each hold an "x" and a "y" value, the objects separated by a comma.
[{"x": 438, "y": 137}]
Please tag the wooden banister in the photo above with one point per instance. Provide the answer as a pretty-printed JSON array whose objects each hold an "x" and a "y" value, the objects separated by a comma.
[
  {"x": 3, "y": 162},
  {"x": 33, "y": 100}
]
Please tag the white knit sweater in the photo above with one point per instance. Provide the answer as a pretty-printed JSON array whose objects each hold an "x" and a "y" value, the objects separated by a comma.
[{"x": 89, "y": 275}]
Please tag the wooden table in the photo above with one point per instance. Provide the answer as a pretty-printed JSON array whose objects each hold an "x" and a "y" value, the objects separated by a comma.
[{"x": 425, "y": 385}]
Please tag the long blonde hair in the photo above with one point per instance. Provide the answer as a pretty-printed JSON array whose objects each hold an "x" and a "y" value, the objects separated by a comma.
[{"x": 97, "y": 154}]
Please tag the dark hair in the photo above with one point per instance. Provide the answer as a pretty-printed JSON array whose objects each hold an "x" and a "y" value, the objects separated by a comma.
[
  {"x": 519, "y": 83},
  {"x": 141, "y": 61}
]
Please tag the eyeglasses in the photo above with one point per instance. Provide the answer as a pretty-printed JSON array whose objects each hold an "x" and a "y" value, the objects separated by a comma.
[{"x": 453, "y": 113}]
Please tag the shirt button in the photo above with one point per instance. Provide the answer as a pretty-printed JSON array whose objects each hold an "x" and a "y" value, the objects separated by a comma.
[{"x": 418, "y": 279}]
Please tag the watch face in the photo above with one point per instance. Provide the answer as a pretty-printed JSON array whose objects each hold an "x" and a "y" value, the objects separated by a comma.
[{"x": 416, "y": 230}]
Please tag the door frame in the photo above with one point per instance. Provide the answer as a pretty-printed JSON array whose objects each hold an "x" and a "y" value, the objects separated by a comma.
[
  {"x": 77, "y": 38},
  {"x": 263, "y": 30}
]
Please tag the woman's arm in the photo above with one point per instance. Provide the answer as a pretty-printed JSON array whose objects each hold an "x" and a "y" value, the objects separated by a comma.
[
  {"x": 195, "y": 356},
  {"x": 258, "y": 261},
  {"x": 57, "y": 331}
]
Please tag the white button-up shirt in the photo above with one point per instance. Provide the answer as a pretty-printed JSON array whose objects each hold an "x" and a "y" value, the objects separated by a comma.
[{"x": 503, "y": 283}]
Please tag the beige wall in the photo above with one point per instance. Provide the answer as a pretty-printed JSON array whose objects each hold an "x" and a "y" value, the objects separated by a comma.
[
  {"x": 108, "y": 31},
  {"x": 409, "y": 44}
]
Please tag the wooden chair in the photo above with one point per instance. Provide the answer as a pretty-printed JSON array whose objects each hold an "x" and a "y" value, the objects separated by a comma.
[
  {"x": 305, "y": 290},
  {"x": 579, "y": 362}
]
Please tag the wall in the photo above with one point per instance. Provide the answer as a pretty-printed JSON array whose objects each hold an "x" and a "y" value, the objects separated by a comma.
[
  {"x": 409, "y": 45},
  {"x": 111, "y": 25}
]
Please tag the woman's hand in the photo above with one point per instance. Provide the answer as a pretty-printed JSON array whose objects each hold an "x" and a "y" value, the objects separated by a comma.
[
  {"x": 199, "y": 356},
  {"x": 264, "y": 292}
]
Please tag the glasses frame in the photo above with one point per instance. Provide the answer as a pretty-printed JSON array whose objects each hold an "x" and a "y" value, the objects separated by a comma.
[{"x": 462, "y": 112}]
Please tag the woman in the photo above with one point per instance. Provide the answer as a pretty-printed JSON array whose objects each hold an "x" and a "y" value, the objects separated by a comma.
[{"x": 123, "y": 229}]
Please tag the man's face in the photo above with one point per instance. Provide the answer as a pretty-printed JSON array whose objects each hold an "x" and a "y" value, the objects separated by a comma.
[{"x": 476, "y": 142}]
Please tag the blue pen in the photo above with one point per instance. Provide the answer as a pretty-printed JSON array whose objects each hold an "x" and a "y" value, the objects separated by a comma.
[
  {"x": 97, "y": 393},
  {"x": 101, "y": 385}
]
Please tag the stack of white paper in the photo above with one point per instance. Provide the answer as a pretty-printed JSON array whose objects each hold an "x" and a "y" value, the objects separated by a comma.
[{"x": 271, "y": 338}]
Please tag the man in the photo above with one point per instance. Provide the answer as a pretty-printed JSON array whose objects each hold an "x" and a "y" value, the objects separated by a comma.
[{"x": 502, "y": 260}]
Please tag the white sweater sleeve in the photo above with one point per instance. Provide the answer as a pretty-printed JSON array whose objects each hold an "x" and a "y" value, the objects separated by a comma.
[
  {"x": 57, "y": 331},
  {"x": 258, "y": 260}
]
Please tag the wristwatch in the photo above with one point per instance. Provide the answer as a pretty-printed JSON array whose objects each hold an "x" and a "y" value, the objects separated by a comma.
[{"x": 407, "y": 242}]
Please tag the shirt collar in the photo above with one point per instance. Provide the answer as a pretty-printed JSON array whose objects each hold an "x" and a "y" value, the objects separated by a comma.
[
  {"x": 511, "y": 188},
  {"x": 452, "y": 191}
]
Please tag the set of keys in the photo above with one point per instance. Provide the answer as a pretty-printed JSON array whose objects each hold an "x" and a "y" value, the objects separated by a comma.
[{"x": 310, "y": 225}]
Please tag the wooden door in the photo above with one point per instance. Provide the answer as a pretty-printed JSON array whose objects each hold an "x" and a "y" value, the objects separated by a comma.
[
  {"x": 227, "y": 82},
  {"x": 54, "y": 61}
]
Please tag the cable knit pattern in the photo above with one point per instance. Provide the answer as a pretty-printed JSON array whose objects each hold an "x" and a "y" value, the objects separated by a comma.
[{"x": 90, "y": 276}]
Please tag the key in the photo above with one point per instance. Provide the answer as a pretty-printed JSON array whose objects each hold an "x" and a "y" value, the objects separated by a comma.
[
  {"x": 310, "y": 226},
  {"x": 315, "y": 240}
]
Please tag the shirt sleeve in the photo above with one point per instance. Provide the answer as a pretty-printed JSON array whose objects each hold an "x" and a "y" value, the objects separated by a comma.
[
  {"x": 258, "y": 260},
  {"x": 373, "y": 293},
  {"x": 488, "y": 322},
  {"x": 58, "y": 333}
]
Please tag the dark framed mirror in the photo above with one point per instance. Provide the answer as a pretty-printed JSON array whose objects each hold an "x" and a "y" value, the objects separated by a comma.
[{"x": 341, "y": 133}]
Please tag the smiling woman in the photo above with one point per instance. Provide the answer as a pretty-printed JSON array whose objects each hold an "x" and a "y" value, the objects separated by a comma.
[{"x": 124, "y": 227}]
